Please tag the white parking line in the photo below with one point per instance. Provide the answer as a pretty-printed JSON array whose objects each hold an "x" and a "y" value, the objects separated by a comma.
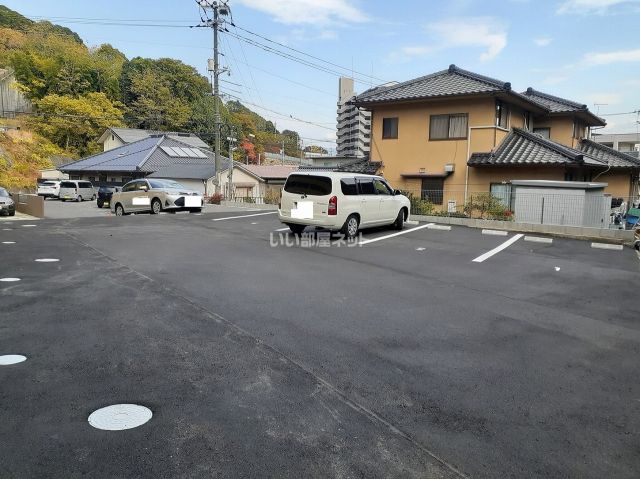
[
  {"x": 244, "y": 216},
  {"x": 283, "y": 229},
  {"x": 497, "y": 249},
  {"x": 380, "y": 238}
]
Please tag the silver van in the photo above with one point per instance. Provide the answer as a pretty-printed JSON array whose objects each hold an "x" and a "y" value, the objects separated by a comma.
[{"x": 77, "y": 190}]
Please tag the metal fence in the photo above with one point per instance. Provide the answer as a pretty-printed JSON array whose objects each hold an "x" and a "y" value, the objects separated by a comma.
[{"x": 586, "y": 209}]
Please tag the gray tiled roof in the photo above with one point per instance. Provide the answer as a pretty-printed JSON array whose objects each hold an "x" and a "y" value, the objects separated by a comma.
[
  {"x": 522, "y": 148},
  {"x": 555, "y": 104},
  {"x": 446, "y": 83},
  {"x": 143, "y": 156},
  {"x": 616, "y": 159},
  {"x": 363, "y": 166},
  {"x": 130, "y": 135}
]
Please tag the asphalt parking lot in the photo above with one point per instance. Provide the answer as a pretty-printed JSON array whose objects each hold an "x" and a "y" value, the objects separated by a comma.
[{"x": 260, "y": 357}]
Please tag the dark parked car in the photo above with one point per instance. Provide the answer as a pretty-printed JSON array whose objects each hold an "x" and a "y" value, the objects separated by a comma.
[
  {"x": 104, "y": 195},
  {"x": 7, "y": 205}
]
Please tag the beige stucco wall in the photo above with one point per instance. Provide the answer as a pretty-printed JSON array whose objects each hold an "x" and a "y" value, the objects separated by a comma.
[
  {"x": 240, "y": 176},
  {"x": 111, "y": 142}
]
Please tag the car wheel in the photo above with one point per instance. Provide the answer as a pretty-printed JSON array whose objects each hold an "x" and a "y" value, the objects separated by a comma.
[
  {"x": 13, "y": 213},
  {"x": 399, "y": 222},
  {"x": 296, "y": 229},
  {"x": 79, "y": 199},
  {"x": 100, "y": 203},
  {"x": 119, "y": 210},
  {"x": 93, "y": 197},
  {"x": 350, "y": 228},
  {"x": 63, "y": 200},
  {"x": 156, "y": 206}
]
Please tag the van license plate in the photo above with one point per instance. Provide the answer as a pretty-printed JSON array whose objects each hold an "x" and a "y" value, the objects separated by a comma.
[{"x": 302, "y": 210}]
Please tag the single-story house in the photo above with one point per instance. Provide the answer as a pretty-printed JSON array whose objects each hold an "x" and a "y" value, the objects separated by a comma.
[
  {"x": 356, "y": 165},
  {"x": 141, "y": 158},
  {"x": 255, "y": 182},
  {"x": 114, "y": 137}
]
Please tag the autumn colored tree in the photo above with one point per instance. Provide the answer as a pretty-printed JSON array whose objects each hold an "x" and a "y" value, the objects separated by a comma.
[{"x": 75, "y": 124}]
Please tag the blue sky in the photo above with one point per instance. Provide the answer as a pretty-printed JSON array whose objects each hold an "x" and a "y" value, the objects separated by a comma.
[{"x": 584, "y": 50}]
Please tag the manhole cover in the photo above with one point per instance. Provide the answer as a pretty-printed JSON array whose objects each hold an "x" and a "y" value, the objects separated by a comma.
[
  {"x": 8, "y": 359},
  {"x": 119, "y": 417}
]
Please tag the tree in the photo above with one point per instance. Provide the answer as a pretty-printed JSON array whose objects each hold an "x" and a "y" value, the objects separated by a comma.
[
  {"x": 76, "y": 123},
  {"x": 316, "y": 149}
]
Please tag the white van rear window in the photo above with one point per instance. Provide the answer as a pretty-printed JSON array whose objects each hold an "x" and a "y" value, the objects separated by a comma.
[{"x": 308, "y": 185}]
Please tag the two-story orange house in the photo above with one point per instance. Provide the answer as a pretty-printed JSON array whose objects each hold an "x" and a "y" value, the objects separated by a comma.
[{"x": 453, "y": 133}]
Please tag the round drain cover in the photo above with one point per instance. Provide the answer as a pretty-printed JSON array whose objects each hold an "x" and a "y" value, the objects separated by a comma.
[
  {"x": 8, "y": 359},
  {"x": 119, "y": 417}
]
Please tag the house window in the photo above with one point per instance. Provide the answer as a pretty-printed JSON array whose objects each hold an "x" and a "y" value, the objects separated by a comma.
[
  {"x": 432, "y": 190},
  {"x": 526, "y": 120},
  {"x": 389, "y": 128},
  {"x": 543, "y": 132},
  {"x": 502, "y": 191},
  {"x": 74, "y": 177},
  {"x": 578, "y": 130},
  {"x": 502, "y": 114},
  {"x": 102, "y": 178},
  {"x": 448, "y": 127},
  {"x": 113, "y": 180}
]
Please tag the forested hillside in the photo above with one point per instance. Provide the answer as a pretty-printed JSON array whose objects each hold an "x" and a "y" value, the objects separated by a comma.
[{"x": 78, "y": 91}]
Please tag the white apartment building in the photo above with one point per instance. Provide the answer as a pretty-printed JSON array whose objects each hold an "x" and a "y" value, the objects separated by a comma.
[{"x": 354, "y": 125}]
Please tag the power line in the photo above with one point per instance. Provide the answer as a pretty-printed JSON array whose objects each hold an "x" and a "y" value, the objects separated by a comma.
[
  {"x": 306, "y": 54},
  {"x": 616, "y": 114}
]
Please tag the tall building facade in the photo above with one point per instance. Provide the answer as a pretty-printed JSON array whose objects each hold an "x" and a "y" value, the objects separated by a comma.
[{"x": 354, "y": 125}]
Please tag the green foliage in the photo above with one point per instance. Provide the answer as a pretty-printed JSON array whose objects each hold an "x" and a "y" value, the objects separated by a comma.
[
  {"x": 76, "y": 123},
  {"x": 22, "y": 155},
  {"x": 418, "y": 205},
  {"x": 487, "y": 206}
]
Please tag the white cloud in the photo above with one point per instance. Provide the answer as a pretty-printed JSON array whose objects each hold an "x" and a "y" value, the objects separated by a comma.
[
  {"x": 542, "y": 41},
  {"x": 586, "y": 7},
  {"x": 605, "y": 58},
  {"x": 485, "y": 33},
  {"x": 313, "y": 12}
]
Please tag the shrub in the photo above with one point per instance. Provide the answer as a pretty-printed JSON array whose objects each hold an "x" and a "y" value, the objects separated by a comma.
[
  {"x": 216, "y": 198},
  {"x": 418, "y": 205},
  {"x": 488, "y": 207},
  {"x": 272, "y": 197}
]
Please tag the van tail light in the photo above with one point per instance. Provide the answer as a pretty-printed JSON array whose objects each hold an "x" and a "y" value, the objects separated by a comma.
[{"x": 333, "y": 206}]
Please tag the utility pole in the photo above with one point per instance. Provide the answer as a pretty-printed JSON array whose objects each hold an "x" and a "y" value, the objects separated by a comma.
[
  {"x": 220, "y": 9},
  {"x": 282, "y": 151}
]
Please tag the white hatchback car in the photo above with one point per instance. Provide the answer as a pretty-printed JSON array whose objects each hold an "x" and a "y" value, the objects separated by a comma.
[
  {"x": 342, "y": 202},
  {"x": 49, "y": 189}
]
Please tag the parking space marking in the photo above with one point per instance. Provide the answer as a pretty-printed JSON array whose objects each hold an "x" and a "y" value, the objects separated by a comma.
[
  {"x": 47, "y": 260},
  {"x": 8, "y": 242},
  {"x": 497, "y": 249},
  {"x": 9, "y": 359},
  {"x": 283, "y": 229},
  {"x": 9, "y": 280},
  {"x": 7, "y": 229},
  {"x": 616, "y": 247},
  {"x": 411, "y": 222},
  {"x": 380, "y": 238},
  {"x": 244, "y": 216},
  {"x": 27, "y": 226},
  {"x": 495, "y": 232},
  {"x": 538, "y": 239}
]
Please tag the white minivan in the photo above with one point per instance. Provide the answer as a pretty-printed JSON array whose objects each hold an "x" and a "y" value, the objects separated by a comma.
[
  {"x": 342, "y": 202},
  {"x": 77, "y": 190}
]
